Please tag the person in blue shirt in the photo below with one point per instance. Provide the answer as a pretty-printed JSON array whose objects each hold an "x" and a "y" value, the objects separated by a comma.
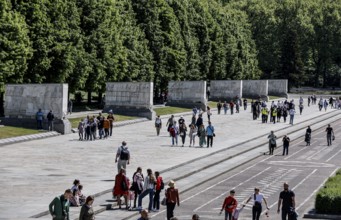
[
  {"x": 210, "y": 134},
  {"x": 40, "y": 118}
]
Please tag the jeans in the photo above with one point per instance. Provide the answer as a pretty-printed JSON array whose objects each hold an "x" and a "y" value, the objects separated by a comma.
[
  {"x": 209, "y": 139},
  {"x": 175, "y": 139},
  {"x": 40, "y": 124},
  {"x": 292, "y": 119},
  {"x": 228, "y": 215},
  {"x": 156, "y": 202},
  {"x": 101, "y": 133},
  {"x": 143, "y": 194}
]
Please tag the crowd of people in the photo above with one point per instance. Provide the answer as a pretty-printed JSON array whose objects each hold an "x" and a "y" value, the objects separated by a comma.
[{"x": 151, "y": 185}]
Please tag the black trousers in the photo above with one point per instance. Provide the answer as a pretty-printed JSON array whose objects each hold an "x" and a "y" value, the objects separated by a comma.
[
  {"x": 170, "y": 210},
  {"x": 209, "y": 139},
  {"x": 156, "y": 200},
  {"x": 256, "y": 211}
]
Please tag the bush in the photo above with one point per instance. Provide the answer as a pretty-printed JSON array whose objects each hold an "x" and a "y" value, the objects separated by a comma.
[{"x": 328, "y": 199}]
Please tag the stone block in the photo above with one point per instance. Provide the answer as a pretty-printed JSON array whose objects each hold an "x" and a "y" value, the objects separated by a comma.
[
  {"x": 130, "y": 98},
  {"x": 24, "y": 100},
  {"x": 187, "y": 94},
  {"x": 278, "y": 87},
  {"x": 255, "y": 89},
  {"x": 225, "y": 90}
]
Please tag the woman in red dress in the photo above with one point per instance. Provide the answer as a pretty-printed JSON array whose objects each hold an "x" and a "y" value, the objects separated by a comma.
[{"x": 121, "y": 188}]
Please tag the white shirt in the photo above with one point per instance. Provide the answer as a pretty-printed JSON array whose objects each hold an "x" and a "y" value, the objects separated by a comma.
[{"x": 259, "y": 197}]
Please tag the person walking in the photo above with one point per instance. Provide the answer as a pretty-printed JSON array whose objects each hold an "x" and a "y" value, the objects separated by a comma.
[
  {"x": 292, "y": 115},
  {"x": 301, "y": 108},
  {"x": 330, "y": 135},
  {"x": 202, "y": 135},
  {"x": 39, "y": 118},
  {"x": 182, "y": 132},
  {"x": 69, "y": 106},
  {"x": 59, "y": 207},
  {"x": 137, "y": 185},
  {"x": 231, "y": 106},
  {"x": 87, "y": 212},
  {"x": 172, "y": 198},
  {"x": 225, "y": 106},
  {"x": 148, "y": 189},
  {"x": 286, "y": 141},
  {"x": 111, "y": 119},
  {"x": 174, "y": 132},
  {"x": 209, "y": 113},
  {"x": 258, "y": 198},
  {"x": 199, "y": 121},
  {"x": 287, "y": 201},
  {"x": 158, "y": 187},
  {"x": 272, "y": 142},
  {"x": 192, "y": 134},
  {"x": 50, "y": 118},
  {"x": 170, "y": 123},
  {"x": 229, "y": 205},
  {"x": 210, "y": 134},
  {"x": 121, "y": 188},
  {"x": 245, "y": 104},
  {"x": 158, "y": 125},
  {"x": 122, "y": 157},
  {"x": 308, "y": 136},
  {"x": 219, "y": 105}
]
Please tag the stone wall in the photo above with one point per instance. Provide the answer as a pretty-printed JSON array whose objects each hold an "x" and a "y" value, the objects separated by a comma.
[
  {"x": 130, "y": 98},
  {"x": 255, "y": 89},
  {"x": 278, "y": 87},
  {"x": 187, "y": 94},
  {"x": 22, "y": 102},
  {"x": 225, "y": 90}
]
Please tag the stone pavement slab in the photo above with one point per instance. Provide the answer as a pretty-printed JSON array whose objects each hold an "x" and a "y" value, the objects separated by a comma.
[{"x": 36, "y": 171}]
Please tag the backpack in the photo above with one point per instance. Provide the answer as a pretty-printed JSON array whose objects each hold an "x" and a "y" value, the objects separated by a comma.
[
  {"x": 162, "y": 184},
  {"x": 124, "y": 154}
]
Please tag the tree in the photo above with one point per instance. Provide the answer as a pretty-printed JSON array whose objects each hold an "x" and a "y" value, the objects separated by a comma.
[{"x": 15, "y": 47}]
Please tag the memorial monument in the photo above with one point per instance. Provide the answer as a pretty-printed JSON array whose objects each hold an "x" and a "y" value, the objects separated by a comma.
[{"x": 130, "y": 98}]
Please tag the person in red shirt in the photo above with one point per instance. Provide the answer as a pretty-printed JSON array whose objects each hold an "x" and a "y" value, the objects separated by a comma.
[
  {"x": 230, "y": 204},
  {"x": 158, "y": 187}
]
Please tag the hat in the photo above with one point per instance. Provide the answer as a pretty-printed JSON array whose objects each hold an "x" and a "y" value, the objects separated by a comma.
[{"x": 171, "y": 183}]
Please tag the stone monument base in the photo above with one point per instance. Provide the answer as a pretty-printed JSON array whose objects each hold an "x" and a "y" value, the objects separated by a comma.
[
  {"x": 62, "y": 126},
  {"x": 131, "y": 111}
]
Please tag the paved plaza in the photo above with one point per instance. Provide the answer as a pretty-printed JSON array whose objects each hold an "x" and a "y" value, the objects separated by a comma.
[{"x": 34, "y": 172}]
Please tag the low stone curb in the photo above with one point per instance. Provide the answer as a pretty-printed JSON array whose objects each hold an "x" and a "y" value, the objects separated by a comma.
[{"x": 18, "y": 139}]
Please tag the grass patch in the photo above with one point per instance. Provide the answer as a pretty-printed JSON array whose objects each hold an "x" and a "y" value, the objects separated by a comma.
[
  {"x": 168, "y": 110},
  {"x": 328, "y": 199},
  {"x": 74, "y": 121},
  {"x": 275, "y": 97},
  {"x": 9, "y": 131},
  {"x": 212, "y": 104}
]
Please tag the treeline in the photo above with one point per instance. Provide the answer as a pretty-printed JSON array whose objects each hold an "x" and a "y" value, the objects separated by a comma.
[{"x": 87, "y": 43}]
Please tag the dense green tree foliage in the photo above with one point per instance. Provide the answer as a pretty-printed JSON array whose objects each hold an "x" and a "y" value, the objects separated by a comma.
[{"x": 87, "y": 43}]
